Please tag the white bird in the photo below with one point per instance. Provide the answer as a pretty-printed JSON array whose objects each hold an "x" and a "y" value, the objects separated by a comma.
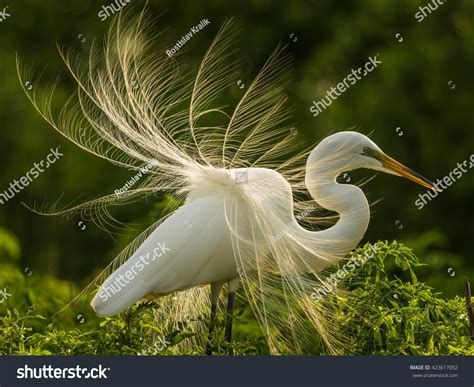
[{"x": 240, "y": 183}]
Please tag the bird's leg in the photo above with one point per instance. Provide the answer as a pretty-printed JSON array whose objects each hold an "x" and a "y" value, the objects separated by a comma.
[
  {"x": 228, "y": 323},
  {"x": 216, "y": 288},
  {"x": 232, "y": 284},
  {"x": 211, "y": 328}
]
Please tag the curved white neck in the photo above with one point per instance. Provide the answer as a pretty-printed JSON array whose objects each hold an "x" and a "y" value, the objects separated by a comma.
[
  {"x": 354, "y": 215},
  {"x": 347, "y": 200}
]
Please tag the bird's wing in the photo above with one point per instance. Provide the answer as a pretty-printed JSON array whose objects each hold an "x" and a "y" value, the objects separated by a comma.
[
  {"x": 192, "y": 247},
  {"x": 280, "y": 266},
  {"x": 137, "y": 107}
]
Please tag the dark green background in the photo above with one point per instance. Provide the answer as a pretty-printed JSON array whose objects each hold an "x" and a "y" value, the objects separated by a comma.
[{"x": 408, "y": 90}]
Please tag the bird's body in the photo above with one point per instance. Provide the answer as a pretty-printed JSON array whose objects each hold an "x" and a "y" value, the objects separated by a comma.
[
  {"x": 243, "y": 184},
  {"x": 198, "y": 236}
]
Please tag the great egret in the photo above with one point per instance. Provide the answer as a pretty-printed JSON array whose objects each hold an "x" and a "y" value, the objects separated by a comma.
[{"x": 237, "y": 224}]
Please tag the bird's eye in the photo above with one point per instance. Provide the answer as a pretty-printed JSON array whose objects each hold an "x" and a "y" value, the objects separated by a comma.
[{"x": 366, "y": 150}]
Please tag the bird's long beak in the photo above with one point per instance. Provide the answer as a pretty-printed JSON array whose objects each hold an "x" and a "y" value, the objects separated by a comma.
[{"x": 401, "y": 170}]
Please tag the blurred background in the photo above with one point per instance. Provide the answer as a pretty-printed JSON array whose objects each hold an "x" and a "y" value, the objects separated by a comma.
[{"x": 417, "y": 104}]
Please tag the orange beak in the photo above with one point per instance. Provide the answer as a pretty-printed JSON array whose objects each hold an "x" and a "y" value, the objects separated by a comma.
[{"x": 401, "y": 170}]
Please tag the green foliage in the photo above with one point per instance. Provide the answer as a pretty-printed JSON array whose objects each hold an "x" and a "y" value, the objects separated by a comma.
[
  {"x": 380, "y": 313},
  {"x": 389, "y": 314}
]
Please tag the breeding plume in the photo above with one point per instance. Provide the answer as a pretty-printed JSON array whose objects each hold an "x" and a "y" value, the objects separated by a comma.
[{"x": 239, "y": 173}]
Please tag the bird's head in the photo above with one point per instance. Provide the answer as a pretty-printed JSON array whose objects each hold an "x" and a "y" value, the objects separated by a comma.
[{"x": 345, "y": 151}]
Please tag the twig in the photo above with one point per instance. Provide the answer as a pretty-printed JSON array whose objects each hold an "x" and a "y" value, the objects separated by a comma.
[{"x": 470, "y": 311}]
